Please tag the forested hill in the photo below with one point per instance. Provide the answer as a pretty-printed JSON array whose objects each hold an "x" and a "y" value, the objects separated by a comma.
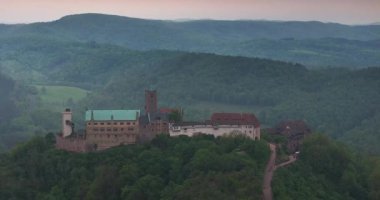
[
  {"x": 15, "y": 99},
  {"x": 201, "y": 167},
  {"x": 310, "y": 43},
  {"x": 328, "y": 170},
  {"x": 342, "y": 103},
  {"x": 330, "y": 100},
  {"x": 7, "y": 107}
]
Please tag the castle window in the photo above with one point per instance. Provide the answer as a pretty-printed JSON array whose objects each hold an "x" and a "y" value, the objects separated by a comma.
[
  {"x": 128, "y": 123},
  {"x": 115, "y": 136},
  {"x": 121, "y": 123},
  {"x": 102, "y": 129},
  {"x": 102, "y": 123},
  {"x": 108, "y": 135},
  {"x": 133, "y": 123},
  {"x": 115, "y": 123},
  {"x": 96, "y": 129},
  {"x": 95, "y": 123},
  {"x": 114, "y": 129},
  {"x": 89, "y": 123},
  {"x": 108, "y": 129},
  {"x": 109, "y": 123},
  {"x": 130, "y": 129},
  {"x": 122, "y": 129}
]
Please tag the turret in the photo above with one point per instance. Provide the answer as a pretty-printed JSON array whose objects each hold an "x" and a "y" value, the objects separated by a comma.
[
  {"x": 67, "y": 124},
  {"x": 150, "y": 101}
]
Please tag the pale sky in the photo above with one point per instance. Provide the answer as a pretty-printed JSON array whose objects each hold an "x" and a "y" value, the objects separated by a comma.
[{"x": 341, "y": 11}]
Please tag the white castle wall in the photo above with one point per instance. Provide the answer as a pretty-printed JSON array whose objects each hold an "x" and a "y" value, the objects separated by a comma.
[{"x": 220, "y": 130}]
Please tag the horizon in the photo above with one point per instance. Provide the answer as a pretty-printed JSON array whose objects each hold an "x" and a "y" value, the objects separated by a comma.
[
  {"x": 190, "y": 19},
  {"x": 348, "y": 12}
]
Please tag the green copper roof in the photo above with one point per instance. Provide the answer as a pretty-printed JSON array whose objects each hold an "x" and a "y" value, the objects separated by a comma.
[{"x": 108, "y": 115}]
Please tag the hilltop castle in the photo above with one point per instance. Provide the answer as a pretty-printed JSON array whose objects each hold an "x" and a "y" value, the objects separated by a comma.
[{"x": 109, "y": 128}]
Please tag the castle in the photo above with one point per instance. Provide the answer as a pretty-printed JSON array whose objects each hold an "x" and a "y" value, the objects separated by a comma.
[{"x": 109, "y": 128}]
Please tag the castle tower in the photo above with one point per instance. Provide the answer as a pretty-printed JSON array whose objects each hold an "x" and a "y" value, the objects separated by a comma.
[
  {"x": 150, "y": 101},
  {"x": 67, "y": 128}
]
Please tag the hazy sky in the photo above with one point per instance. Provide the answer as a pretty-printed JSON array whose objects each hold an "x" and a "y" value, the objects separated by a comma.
[{"x": 343, "y": 11}]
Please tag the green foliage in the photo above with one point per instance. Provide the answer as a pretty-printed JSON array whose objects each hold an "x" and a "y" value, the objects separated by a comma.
[
  {"x": 329, "y": 100},
  {"x": 19, "y": 113},
  {"x": 310, "y": 43},
  {"x": 202, "y": 167},
  {"x": 325, "y": 170},
  {"x": 374, "y": 182}
]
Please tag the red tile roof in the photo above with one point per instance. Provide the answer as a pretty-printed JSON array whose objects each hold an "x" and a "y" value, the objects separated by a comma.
[
  {"x": 235, "y": 118},
  {"x": 167, "y": 110}
]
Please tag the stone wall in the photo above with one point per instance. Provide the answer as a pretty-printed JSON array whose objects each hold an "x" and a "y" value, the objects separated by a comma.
[{"x": 73, "y": 144}]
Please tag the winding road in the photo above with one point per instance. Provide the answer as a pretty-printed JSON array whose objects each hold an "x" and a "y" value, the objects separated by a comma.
[{"x": 269, "y": 170}]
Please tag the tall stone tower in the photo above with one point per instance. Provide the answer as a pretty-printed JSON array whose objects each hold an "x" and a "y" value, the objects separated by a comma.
[
  {"x": 67, "y": 124},
  {"x": 150, "y": 101}
]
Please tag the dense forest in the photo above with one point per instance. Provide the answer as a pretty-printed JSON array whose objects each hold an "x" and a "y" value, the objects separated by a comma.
[
  {"x": 201, "y": 167},
  {"x": 310, "y": 43},
  {"x": 340, "y": 102},
  {"x": 335, "y": 101},
  {"x": 328, "y": 170},
  {"x": 21, "y": 113}
]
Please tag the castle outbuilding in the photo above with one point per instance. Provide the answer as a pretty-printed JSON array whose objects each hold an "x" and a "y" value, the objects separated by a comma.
[
  {"x": 295, "y": 132},
  {"x": 221, "y": 124}
]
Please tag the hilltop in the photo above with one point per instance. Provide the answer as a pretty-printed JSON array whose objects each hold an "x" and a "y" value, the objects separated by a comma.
[{"x": 311, "y": 43}]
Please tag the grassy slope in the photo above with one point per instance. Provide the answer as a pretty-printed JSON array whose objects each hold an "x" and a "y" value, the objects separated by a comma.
[{"x": 58, "y": 97}]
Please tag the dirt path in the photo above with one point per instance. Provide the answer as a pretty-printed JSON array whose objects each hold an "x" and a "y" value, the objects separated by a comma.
[
  {"x": 290, "y": 161},
  {"x": 269, "y": 170},
  {"x": 267, "y": 189}
]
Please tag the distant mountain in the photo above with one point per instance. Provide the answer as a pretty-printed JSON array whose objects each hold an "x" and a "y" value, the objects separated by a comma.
[{"x": 311, "y": 43}]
